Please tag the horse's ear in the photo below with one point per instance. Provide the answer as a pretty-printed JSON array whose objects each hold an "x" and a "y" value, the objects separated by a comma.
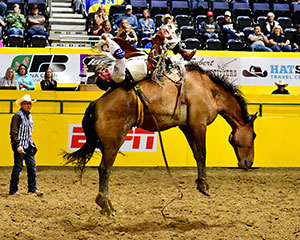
[{"x": 253, "y": 117}]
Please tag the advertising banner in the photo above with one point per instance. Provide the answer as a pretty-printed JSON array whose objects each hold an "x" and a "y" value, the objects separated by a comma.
[
  {"x": 137, "y": 140},
  {"x": 65, "y": 66}
]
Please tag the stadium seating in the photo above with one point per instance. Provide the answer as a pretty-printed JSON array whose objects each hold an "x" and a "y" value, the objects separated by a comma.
[
  {"x": 296, "y": 13},
  {"x": 285, "y": 22},
  {"x": 179, "y": 7},
  {"x": 235, "y": 45},
  {"x": 281, "y": 9},
  {"x": 158, "y": 7},
  {"x": 116, "y": 9},
  {"x": 213, "y": 44},
  {"x": 138, "y": 6},
  {"x": 182, "y": 20},
  {"x": 10, "y": 4},
  {"x": 15, "y": 41},
  {"x": 197, "y": 9},
  {"x": 38, "y": 41},
  {"x": 219, "y": 8},
  {"x": 261, "y": 21},
  {"x": 241, "y": 9},
  {"x": 290, "y": 33},
  {"x": 187, "y": 32},
  {"x": 261, "y": 9},
  {"x": 242, "y": 22},
  {"x": 192, "y": 43}
]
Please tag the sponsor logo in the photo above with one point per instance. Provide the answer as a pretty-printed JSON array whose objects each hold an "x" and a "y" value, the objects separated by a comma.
[
  {"x": 137, "y": 140},
  {"x": 286, "y": 72},
  {"x": 37, "y": 64},
  {"x": 255, "y": 71}
]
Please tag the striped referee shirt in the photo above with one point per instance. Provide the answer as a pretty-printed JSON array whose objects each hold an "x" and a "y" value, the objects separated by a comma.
[{"x": 21, "y": 130}]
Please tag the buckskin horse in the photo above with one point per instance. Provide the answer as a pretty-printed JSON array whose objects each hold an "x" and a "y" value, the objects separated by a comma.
[{"x": 107, "y": 121}]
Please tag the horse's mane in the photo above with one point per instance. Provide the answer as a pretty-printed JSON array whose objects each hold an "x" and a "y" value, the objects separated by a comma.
[{"x": 228, "y": 86}]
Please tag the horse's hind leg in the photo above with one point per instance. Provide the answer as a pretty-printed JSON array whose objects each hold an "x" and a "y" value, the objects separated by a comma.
[
  {"x": 196, "y": 138},
  {"x": 104, "y": 170}
]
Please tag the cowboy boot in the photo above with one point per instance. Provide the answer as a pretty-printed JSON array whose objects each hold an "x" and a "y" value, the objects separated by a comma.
[{"x": 187, "y": 55}]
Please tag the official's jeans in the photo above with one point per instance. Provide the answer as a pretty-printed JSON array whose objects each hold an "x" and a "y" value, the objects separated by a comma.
[{"x": 18, "y": 167}]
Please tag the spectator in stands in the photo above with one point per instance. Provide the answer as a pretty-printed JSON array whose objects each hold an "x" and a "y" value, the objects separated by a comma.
[
  {"x": 36, "y": 22},
  {"x": 210, "y": 28},
  {"x": 270, "y": 24},
  {"x": 296, "y": 40},
  {"x": 99, "y": 18},
  {"x": 146, "y": 25},
  {"x": 3, "y": 8},
  {"x": 278, "y": 41},
  {"x": 24, "y": 80},
  {"x": 2, "y": 24},
  {"x": 229, "y": 28},
  {"x": 107, "y": 28},
  {"x": 16, "y": 21},
  {"x": 132, "y": 19},
  {"x": 48, "y": 83},
  {"x": 258, "y": 41},
  {"x": 9, "y": 79},
  {"x": 281, "y": 85},
  {"x": 127, "y": 33},
  {"x": 80, "y": 7}
]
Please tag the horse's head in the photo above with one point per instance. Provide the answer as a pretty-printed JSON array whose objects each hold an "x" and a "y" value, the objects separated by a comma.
[{"x": 242, "y": 140}]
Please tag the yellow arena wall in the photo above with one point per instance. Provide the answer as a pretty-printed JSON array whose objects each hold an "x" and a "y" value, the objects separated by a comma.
[{"x": 277, "y": 129}]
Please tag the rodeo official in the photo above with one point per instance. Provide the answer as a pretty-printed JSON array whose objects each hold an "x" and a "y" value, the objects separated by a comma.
[{"x": 23, "y": 147}]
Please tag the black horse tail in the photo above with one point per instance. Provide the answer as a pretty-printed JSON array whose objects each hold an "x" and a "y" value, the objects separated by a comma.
[{"x": 82, "y": 156}]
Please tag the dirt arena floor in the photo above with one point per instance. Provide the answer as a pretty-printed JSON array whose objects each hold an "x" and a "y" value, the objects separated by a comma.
[{"x": 257, "y": 204}]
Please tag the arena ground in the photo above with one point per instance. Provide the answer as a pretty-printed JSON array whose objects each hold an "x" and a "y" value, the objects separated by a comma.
[{"x": 257, "y": 204}]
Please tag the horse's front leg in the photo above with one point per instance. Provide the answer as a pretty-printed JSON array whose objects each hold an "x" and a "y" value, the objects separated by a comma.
[{"x": 196, "y": 137}]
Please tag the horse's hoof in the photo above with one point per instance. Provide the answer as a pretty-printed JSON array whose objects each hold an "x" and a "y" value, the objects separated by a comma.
[{"x": 203, "y": 187}]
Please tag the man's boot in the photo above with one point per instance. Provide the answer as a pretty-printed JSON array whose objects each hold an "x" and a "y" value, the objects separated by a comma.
[{"x": 187, "y": 55}]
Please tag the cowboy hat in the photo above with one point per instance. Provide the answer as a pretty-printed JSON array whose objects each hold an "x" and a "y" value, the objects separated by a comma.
[
  {"x": 167, "y": 16},
  {"x": 255, "y": 71},
  {"x": 25, "y": 98},
  {"x": 281, "y": 83}
]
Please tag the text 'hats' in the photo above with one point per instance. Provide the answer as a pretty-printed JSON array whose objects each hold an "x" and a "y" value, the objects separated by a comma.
[
  {"x": 209, "y": 13},
  {"x": 25, "y": 98},
  {"x": 128, "y": 7},
  {"x": 227, "y": 13},
  {"x": 167, "y": 16},
  {"x": 281, "y": 82}
]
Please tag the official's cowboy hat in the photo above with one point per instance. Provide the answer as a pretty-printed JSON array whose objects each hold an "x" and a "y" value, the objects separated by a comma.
[
  {"x": 255, "y": 71},
  {"x": 281, "y": 83},
  {"x": 167, "y": 16},
  {"x": 25, "y": 98}
]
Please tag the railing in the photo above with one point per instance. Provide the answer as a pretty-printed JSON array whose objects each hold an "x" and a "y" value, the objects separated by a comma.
[{"x": 61, "y": 111}]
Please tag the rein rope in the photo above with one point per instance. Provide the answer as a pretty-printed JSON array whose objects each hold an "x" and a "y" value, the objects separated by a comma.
[{"x": 145, "y": 100}]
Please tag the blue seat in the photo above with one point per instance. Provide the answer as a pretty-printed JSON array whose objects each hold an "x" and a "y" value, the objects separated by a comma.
[
  {"x": 158, "y": 7},
  {"x": 199, "y": 9},
  {"x": 182, "y": 20},
  {"x": 241, "y": 9},
  {"x": 138, "y": 6},
  {"x": 157, "y": 20},
  {"x": 285, "y": 22},
  {"x": 290, "y": 33},
  {"x": 187, "y": 32},
  {"x": 179, "y": 7},
  {"x": 219, "y": 8},
  {"x": 192, "y": 43},
  {"x": 261, "y": 21},
  {"x": 213, "y": 44},
  {"x": 281, "y": 10},
  {"x": 296, "y": 12},
  {"x": 243, "y": 21},
  {"x": 235, "y": 45},
  {"x": 261, "y": 9},
  {"x": 199, "y": 20}
]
